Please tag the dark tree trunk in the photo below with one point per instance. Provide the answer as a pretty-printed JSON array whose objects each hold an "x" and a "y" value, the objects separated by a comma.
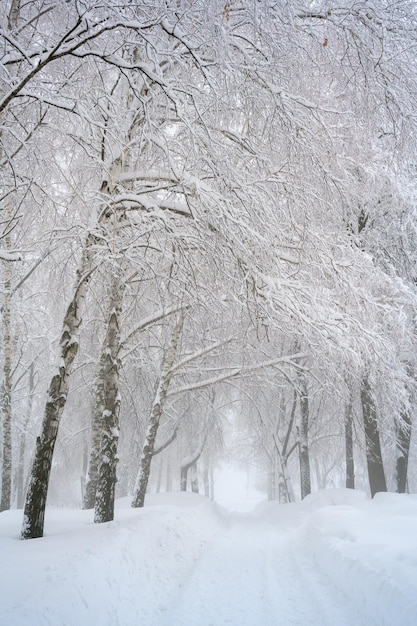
[
  {"x": 184, "y": 476},
  {"x": 303, "y": 445},
  {"x": 350, "y": 464},
  {"x": 157, "y": 408},
  {"x": 372, "y": 441},
  {"x": 191, "y": 462},
  {"x": 285, "y": 492},
  {"x": 272, "y": 476},
  {"x": 284, "y": 495},
  {"x": 194, "y": 479},
  {"x": 34, "y": 512},
  {"x": 106, "y": 480},
  {"x": 206, "y": 478},
  {"x": 403, "y": 437}
]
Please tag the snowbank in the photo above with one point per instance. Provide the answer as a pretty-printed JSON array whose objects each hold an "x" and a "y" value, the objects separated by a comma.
[
  {"x": 368, "y": 551},
  {"x": 121, "y": 572}
]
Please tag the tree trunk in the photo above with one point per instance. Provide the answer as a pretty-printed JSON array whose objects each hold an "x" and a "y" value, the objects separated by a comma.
[
  {"x": 157, "y": 408},
  {"x": 34, "y": 512},
  {"x": 184, "y": 477},
  {"x": 283, "y": 494},
  {"x": 106, "y": 481},
  {"x": 84, "y": 467},
  {"x": 350, "y": 463},
  {"x": 374, "y": 461},
  {"x": 303, "y": 446},
  {"x": 272, "y": 475},
  {"x": 96, "y": 434},
  {"x": 285, "y": 490},
  {"x": 403, "y": 438},
  {"x": 6, "y": 389},
  {"x": 194, "y": 479},
  {"x": 14, "y": 13},
  {"x": 206, "y": 478},
  {"x": 191, "y": 461}
]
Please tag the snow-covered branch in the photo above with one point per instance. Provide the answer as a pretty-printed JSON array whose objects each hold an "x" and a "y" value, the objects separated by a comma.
[
  {"x": 237, "y": 371},
  {"x": 149, "y": 321},
  {"x": 10, "y": 256}
]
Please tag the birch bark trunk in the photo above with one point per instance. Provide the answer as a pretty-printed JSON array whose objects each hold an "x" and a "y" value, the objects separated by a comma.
[
  {"x": 284, "y": 490},
  {"x": 34, "y": 511},
  {"x": 106, "y": 480},
  {"x": 157, "y": 408},
  {"x": 14, "y": 13}
]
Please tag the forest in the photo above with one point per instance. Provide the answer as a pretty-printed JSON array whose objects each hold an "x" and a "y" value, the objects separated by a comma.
[{"x": 207, "y": 248}]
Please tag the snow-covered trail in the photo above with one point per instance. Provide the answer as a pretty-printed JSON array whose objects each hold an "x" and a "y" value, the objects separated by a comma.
[
  {"x": 250, "y": 577},
  {"x": 335, "y": 559}
]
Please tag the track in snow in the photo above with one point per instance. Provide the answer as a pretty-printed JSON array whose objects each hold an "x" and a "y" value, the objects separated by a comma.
[{"x": 249, "y": 577}]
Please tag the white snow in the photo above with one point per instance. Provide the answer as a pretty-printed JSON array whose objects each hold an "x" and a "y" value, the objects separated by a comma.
[
  {"x": 9, "y": 256},
  {"x": 335, "y": 559}
]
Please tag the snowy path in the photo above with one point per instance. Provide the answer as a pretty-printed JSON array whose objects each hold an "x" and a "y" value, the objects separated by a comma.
[
  {"x": 336, "y": 559},
  {"x": 249, "y": 577}
]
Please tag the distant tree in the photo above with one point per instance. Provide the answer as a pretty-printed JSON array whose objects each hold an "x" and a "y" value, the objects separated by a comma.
[
  {"x": 349, "y": 441},
  {"x": 374, "y": 460}
]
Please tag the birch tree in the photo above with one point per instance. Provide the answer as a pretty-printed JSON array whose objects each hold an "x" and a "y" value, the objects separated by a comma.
[
  {"x": 156, "y": 412},
  {"x": 106, "y": 479},
  {"x": 34, "y": 511}
]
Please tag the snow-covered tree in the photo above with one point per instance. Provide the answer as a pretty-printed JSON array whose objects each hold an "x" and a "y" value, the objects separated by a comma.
[{"x": 252, "y": 157}]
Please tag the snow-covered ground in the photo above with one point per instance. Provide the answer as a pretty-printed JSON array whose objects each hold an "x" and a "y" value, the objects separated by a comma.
[{"x": 335, "y": 559}]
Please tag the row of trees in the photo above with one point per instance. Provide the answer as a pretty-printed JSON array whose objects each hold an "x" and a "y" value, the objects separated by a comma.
[{"x": 207, "y": 214}]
